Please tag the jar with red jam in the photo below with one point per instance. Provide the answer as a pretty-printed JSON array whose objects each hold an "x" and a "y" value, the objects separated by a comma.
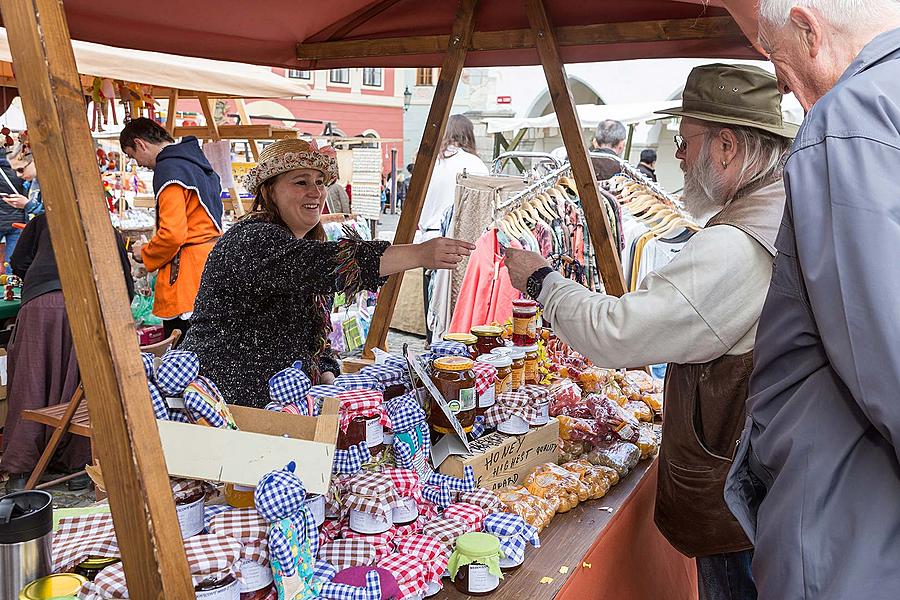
[
  {"x": 524, "y": 322},
  {"x": 364, "y": 426},
  {"x": 218, "y": 588},
  {"x": 488, "y": 337},
  {"x": 455, "y": 380}
]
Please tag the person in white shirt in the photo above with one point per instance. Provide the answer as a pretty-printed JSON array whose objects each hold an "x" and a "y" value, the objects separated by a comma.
[
  {"x": 457, "y": 154},
  {"x": 699, "y": 312}
]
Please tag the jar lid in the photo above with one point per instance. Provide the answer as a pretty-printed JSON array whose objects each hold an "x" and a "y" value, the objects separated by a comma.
[
  {"x": 496, "y": 360},
  {"x": 59, "y": 584},
  {"x": 98, "y": 562},
  {"x": 371, "y": 484},
  {"x": 463, "y": 338},
  {"x": 487, "y": 331},
  {"x": 477, "y": 545},
  {"x": 517, "y": 352},
  {"x": 531, "y": 348},
  {"x": 453, "y": 363},
  {"x": 524, "y": 303}
]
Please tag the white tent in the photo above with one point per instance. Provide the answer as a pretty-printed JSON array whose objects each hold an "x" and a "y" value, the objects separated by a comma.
[
  {"x": 171, "y": 71},
  {"x": 590, "y": 116}
]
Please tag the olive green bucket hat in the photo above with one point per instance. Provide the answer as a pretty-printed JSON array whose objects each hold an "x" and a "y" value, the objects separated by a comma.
[{"x": 734, "y": 95}]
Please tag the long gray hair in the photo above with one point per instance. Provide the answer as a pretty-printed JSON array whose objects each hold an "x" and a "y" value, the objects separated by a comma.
[{"x": 762, "y": 156}]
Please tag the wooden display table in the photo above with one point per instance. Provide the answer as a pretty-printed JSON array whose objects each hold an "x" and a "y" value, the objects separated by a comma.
[{"x": 628, "y": 557}]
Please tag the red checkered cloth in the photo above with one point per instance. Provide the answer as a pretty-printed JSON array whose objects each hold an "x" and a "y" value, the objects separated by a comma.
[
  {"x": 471, "y": 515},
  {"x": 372, "y": 493},
  {"x": 427, "y": 510},
  {"x": 330, "y": 530},
  {"x": 408, "y": 571},
  {"x": 80, "y": 537},
  {"x": 430, "y": 550},
  {"x": 406, "y": 482},
  {"x": 485, "y": 377},
  {"x": 362, "y": 403},
  {"x": 539, "y": 394},
  {"x": 246, "y": 526},
  {"x": 343, "y": 554},
  {"x": 209, "y": 556},
  {"x": 410, "y": 528},
  {"x": 382, "y": 542},
  {"x": 483, "y": 498},
  {"x": 445, "y": 530},
  {"x": 509, "y": 404}
]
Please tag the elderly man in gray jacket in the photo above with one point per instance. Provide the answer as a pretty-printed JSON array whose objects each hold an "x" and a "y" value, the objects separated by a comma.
[{"x": 816, "y": 480}]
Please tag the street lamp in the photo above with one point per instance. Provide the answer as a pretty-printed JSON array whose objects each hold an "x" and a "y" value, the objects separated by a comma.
[{"x": 407, "y": 99}]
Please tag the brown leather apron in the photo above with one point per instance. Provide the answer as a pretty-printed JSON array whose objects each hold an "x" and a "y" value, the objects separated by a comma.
[{"x": 705, "y": 408}]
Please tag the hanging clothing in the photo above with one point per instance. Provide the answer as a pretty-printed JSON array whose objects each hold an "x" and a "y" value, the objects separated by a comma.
[
  {"x": 486, "y": 295},
  {"x": 442, "y": 189},
  {"x": 658, "y": 252}
]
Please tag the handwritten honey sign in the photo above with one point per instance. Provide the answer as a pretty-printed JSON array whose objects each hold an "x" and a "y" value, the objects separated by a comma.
[{"x": 500, "y": 460}]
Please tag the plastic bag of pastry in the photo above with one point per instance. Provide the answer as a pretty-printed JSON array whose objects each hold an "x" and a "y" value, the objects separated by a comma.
[
  {"x": 563, "y": 393},
  {"x": 572, "y": 449},
  {"x": 640, "y": 410},
  {"x": 648, "y": 442},
  {"x": 612, "y": 476},
  {"x": 612, "y": 418},
  {"x": 621, "y": 456},
  {"x": 550, "y": 480},
  {"x": 590, "y": 475},
  {"x": 654, "y": 401},
  {"x": 646, "y": 383},
  {"x": 536, "y": 511}
]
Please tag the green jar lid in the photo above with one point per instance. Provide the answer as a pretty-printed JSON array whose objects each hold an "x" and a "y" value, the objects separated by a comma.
[{"x": 478, "y": 545}]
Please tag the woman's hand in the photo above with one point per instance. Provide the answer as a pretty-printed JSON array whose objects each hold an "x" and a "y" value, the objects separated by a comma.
[
  {"x": 439, "y": 253},
  {"x": 443, "y": 253},
  {"x": 326, "y": 378},
  {"x": 16, "y": 200}
]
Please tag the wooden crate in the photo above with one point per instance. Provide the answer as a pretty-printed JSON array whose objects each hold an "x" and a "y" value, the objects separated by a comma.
[{"x": 499, "y": 460}]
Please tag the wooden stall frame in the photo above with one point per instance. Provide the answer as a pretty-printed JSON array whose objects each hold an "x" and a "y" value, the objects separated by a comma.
[{"x": 140, "y": 496}]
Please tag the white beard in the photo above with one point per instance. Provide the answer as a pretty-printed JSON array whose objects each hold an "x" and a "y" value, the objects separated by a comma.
[{"x": 705, "y": 191}]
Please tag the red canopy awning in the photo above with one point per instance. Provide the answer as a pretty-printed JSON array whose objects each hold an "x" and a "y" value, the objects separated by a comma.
[{"x": 266, "y": 32}]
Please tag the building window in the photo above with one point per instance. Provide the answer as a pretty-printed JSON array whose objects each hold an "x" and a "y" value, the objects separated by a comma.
[
  {"x": 339, "y": 76},
  {"x": 424, "y": 76},
  {"x": 299, "y": 74},
  {"x": 372, "y": 77}
]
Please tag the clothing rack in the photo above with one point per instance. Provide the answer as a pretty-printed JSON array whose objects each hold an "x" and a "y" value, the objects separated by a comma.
[
  {"x": 636, "y": 175},
  {"x": 542, "y": 182},
  {"x": 544, "y": 157}
]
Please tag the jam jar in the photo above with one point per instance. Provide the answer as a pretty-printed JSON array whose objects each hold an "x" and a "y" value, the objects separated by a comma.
[
  {"x": 489, "y": 337},
  {"x": 214, "y": 588},
  {"x": 363, "y": 429},
  {"x": 481, "y": 576},
  {"x": 454, "y": 378},
  {"x": 503, "y": 364},
  {"x": 90, "y": 567},
  {"x": 467, "y": 339},
  {"x": 189, "y": 508},
  {"x": 517, "y": 355},
  {"x": 532, "y": 375},
  {"x": 524, "y": 322}
]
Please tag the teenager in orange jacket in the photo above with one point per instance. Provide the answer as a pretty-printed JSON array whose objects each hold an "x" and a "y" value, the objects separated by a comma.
[{"x": 188, "y": 217}]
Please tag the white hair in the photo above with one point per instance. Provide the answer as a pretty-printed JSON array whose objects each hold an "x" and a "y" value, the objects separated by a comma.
[{"x": 843, "y": 14}]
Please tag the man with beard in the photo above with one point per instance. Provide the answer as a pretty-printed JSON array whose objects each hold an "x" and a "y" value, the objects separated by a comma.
[{"x": 698, "y": 313}]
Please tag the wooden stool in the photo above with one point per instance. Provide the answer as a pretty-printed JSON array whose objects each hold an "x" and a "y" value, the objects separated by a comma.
[{"x": 73, "y": 417}]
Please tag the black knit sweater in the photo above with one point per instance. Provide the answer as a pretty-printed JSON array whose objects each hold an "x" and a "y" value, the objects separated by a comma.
[{"x": 264, "y": 302}]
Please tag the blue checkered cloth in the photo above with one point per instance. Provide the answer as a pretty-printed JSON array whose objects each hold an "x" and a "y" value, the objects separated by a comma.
[
  {"x": 211, "y": 510},
  {"x": 479, "y": 427},
  {"x": 290, "y": 386},
  {"x": 179, "y": 416},
  {"x": 348, "y": 462},
  {"x": 396, "y": 360},
  {"x": 324, "y": 570},
  {"x": 178, "y": 369},
  {"x": 358, "y": 381},
  {"x": 404, "y": 412},
  {"x": 343, "y": 591},
  {"x": 448, "y": 348},
  {"x": 467, "y": 484},
  {"x": 438, "y": 495},
  {"x": 319, "y": 392},
  {"x": 198, "y": 407},
  {"x": 514, "y": 533},
  {"x": 387, "y": 375},
  {"x": 160, "y": 408},
  {"x": 280, "y": 495}
]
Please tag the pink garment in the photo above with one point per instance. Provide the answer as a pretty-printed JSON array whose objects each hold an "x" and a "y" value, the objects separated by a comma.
[{"x": 486, "y": 293}]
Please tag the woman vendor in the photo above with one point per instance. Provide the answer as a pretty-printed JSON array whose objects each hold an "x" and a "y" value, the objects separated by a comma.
[{"x": 265, "y": 296}]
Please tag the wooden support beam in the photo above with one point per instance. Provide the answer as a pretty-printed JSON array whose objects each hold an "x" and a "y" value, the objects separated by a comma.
[
  {"x": 172, "y": 110},
  {"x": 435, "y": 125},
  {"x": 208, "y": 105},
  {"x": 575, "y": 35},
  {"x": 363, "y": 16},
  {"x": 564, "y": 104},
  {"x": 238, "y": 132},
  {"x": 245, "y": 120},
  {"x": 97, "y": 304}
]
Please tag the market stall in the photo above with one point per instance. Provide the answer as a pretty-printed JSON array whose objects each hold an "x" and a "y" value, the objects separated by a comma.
[{"x": 154, "y": 556}]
